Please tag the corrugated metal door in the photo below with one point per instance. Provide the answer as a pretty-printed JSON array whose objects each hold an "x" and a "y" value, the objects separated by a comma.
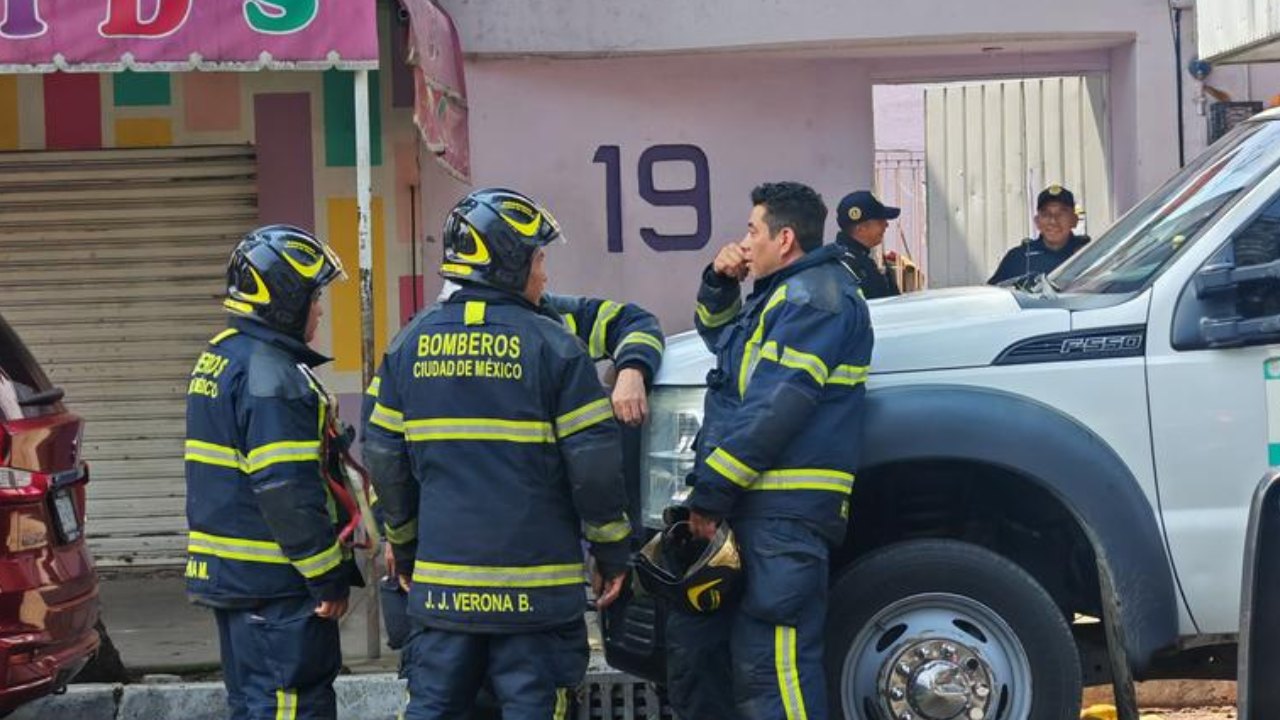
[
  {"x": 1238, "y": 31},
  {"x": 111, "y": 266},
  {"x": 991, "y": 147}
]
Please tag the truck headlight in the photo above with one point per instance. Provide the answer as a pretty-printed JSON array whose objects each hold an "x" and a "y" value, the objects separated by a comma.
[{"x": 667, "y": 455}]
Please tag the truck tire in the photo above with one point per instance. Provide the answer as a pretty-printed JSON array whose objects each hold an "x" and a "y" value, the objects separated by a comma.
[{"x": 933, "y": 629}]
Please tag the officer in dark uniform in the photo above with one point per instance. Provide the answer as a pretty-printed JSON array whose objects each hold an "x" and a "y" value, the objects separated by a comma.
[
  {"x": 791, "y": 366},
  {"x": 263, "y": 548},
  {"x": 1056, "y": 221},
  {"x": 863, "y": 220},
  {"x": 494, "y": 451}
]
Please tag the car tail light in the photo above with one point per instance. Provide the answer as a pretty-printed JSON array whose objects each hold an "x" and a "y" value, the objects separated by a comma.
[{"x": 24, "y": 484}]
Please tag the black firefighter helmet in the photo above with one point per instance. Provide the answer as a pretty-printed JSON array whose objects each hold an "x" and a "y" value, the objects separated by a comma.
[
  {"x": 694, "y": 575},
  {"x": 491, "y": 237},
  {"x": 275, "y": 272}
]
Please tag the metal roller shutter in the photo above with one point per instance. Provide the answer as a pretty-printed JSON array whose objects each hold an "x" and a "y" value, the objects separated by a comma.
[{"x": 112, "y": 265}]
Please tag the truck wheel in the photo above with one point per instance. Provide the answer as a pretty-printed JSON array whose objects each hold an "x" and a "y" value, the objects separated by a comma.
[{"x": 941, "y": 629}]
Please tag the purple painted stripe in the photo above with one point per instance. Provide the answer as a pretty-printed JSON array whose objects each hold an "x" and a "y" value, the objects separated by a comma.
[
  {"x": 286, "y": 194},
  {"x": 401, "y": 73}
]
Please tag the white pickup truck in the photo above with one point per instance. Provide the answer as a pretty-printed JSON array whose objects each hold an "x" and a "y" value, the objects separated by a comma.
[{"x": 1056, "y": 479}]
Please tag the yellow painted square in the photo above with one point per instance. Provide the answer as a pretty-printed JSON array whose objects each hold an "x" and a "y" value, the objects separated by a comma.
[
  {"x": 344, "y": 303},
  {"x": 9, "y": 126},
  {"x": 144, "y": 132}
]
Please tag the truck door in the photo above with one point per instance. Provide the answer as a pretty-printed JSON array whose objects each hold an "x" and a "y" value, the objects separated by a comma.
[{"x": 1213, "y": 365}]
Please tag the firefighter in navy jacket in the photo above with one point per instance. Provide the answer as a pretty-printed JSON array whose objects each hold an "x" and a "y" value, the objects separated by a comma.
[
  {"x": 624, "y": 333},
  {"x": 776, "y": 458},
  {"x": 494, "y": 451},
  {"x": 263, "y": 547}
]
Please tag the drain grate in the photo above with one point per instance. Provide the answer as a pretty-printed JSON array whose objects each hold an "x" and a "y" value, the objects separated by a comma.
[{"x": 618, "y": 696}]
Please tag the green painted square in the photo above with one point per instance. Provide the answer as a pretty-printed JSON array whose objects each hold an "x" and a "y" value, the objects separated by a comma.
[
  {"x": 340, "y": 119},
  {"x": 137, "y": 89},
  {"x": 1271, "y": 369},
  {"x": 1273, "y": 454}
]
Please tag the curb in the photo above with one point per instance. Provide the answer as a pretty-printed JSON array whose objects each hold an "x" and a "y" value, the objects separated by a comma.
[{"x": 360, "y": 697}]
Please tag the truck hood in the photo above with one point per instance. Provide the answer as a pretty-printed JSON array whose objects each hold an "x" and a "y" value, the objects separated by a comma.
[{"x": 931, "y": 330}]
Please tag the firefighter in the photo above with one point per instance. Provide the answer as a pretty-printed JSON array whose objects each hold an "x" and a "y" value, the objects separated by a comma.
[
  {"x": 863, "y": 220},
  {"x": 776, "y": 459},
  {"x": 624, "y": 333},
  {"x": 263, "y": 547},
  {"x": 494, "y": 450}
]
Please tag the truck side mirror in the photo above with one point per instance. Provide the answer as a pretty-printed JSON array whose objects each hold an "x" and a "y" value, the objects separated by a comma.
[{"x": 1243, "y": 286}]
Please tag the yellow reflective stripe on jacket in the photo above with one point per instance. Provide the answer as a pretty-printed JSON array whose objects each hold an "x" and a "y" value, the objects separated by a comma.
[
  {"x": 374, "y": 386},
  {"x": 796, "y": 360},
  {"x": 286, "y": 704},
  {"x": 716, "y": 319},
  {"x": 605, "y": 315},
  {"x": 211, "y": 454},
  {"x": 570, "y": 322},
  {"x": 784, "y": 656},
  {"x": 404, "y": 534},
  {"x": 261, "y": 458},
  {"x": 534, "y": 576},
  {"x": 643, "y": 338},
  {"x": 804, "y": 479},
  {"x": 849, "y": 375},
  {"x": 609, "y": 532},
  {"x": 731, "y": 468},
  {"x": 387, "y": 419},
  {"x": 584, "y": 417},
  {"x": 223, "y": 336},
  {"x": 521, "y": 431},
  {"x": 751, "y": 351},
  {"x": 322, "y": 562},
  {"x": 229, "y": 548}
]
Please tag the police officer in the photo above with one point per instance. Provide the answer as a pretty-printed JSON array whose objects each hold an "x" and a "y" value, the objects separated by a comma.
[
  {"x": 494, "y": 450},
  {"x": 791, "y": 363},
  {"x": 1056, "y": 221},
  {"x": 863, "y": 220},
  {"x": 263, "y": 550}
]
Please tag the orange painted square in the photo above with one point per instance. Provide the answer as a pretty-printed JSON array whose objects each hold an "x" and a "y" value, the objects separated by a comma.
[
  {"x": 211, "y": 101},
  {"x": 144, "y": 132},
  {"x": 344, "y": 306},
  {"x": 9, "y": 137}
]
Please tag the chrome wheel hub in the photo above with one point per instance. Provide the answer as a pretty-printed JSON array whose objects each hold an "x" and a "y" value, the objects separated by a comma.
[{"x": 936, "y": 680}]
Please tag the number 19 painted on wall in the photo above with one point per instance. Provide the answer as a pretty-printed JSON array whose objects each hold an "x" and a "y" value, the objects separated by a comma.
[{"x": 697, "y": 197}]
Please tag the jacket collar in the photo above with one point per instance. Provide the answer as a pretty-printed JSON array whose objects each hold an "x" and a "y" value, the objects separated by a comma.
[
  {"x": 484, "y": 293},
  {"x": 848, "y": 244},
  {"x": 295, "y": 347},
  {"x": 826, "y": 253}
]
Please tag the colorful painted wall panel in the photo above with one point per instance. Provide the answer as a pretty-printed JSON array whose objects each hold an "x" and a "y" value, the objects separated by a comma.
[
  {"x": 10, "y": 135},
  {"x": 144, "y": 132},
  {"x": 345, "y": 305},
  {"x": 282, "y": 134},
  {"x": 211, "y": 102},
  {"x": 141, "y": 89},
  {"x": 72, "y": 111},
  {"x": 340, "y": 119}
]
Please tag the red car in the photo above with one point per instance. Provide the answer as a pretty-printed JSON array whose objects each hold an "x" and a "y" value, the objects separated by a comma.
[{"x": 48, "y": 587}]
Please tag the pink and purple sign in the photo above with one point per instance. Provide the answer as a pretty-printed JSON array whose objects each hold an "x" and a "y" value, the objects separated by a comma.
[{"x": 172, "y": 35}]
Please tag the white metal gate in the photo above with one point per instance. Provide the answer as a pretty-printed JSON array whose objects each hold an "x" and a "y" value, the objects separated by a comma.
[
  {"x": 112, "y": 263},
  {"x": 991, "y": 147}
]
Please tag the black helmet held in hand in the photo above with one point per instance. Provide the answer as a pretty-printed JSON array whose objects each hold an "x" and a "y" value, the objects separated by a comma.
[
  {"x": 696, "y": 576},
  {"x": 491, "y": 237},
  {"x": 274, "y": 274}
]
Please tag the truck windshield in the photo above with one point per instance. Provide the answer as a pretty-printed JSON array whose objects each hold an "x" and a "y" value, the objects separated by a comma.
[{"x": 1132, "y": 252}]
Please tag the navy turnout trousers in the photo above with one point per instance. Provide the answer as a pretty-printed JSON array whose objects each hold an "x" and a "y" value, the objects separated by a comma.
[{"x": 760, "y": 659}]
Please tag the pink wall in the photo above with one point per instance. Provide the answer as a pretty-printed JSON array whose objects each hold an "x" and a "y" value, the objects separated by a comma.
[{"x": 537, "y": 124}]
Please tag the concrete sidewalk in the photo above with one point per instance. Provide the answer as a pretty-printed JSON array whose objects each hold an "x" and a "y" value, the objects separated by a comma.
[
  {"x": 172, "y": 647},
  {"x": 156, "y": 630}
]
